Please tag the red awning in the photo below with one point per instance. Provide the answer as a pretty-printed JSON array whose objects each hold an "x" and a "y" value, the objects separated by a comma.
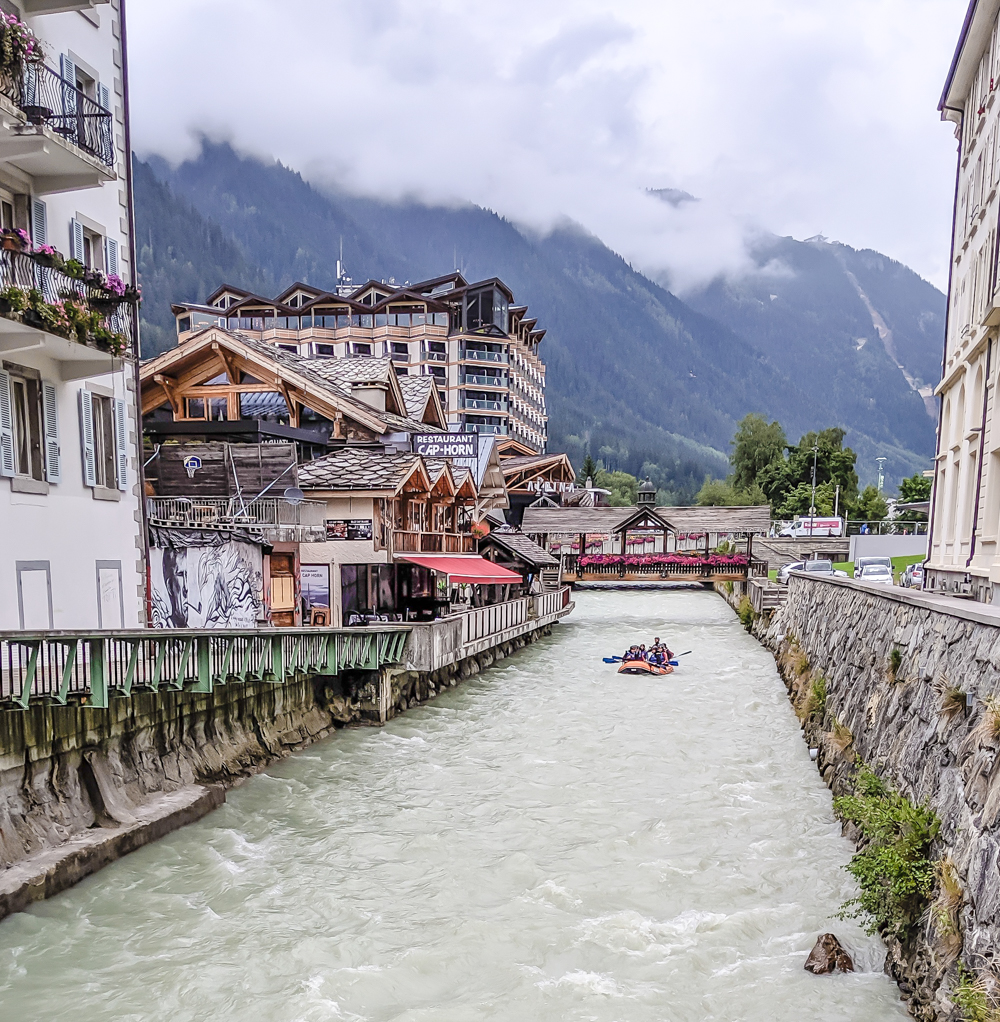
[{"x": 465, "y": 568}]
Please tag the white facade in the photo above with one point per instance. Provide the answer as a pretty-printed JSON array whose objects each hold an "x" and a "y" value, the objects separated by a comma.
[{"x": 71, "y": 554}]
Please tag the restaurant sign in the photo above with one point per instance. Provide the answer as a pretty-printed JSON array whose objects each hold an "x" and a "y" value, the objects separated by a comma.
[
  {"x": 349, "y": 528},
  {"x": 446, "y": 445}
]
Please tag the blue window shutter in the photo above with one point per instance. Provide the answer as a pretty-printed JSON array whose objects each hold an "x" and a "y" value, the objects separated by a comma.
[
  {"x": 87, "y": 452},
  {"x": 6, "y": 427},
  {"x": 111, "y": 255},
  {"x": 67, "y": 71},
  {"x": 39, "y": 222},
  {"x": 121, "y": 443},
  {"x": 50, "y": 422},
  {"x": 76, "y": 240}
]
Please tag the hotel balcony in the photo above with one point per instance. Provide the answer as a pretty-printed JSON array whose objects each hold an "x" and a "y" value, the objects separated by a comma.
[
  {"x": 53, "y": 132},
  {"x": 47, "y": 331},
  {"x": 483, "y": 356},
  {"x": 484, "y": 381}
]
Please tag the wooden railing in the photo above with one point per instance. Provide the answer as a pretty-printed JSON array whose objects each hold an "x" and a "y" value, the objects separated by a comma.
[
  {"x": 64, "y": 666},
  {"x": 486, "y": 621},
  {"x": 432, "y": 542}
]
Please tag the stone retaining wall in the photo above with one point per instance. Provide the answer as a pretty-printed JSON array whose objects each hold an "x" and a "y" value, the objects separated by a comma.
[{"x": 926, "y": 721}]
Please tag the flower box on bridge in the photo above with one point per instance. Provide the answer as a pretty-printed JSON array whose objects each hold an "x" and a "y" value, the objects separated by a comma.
[{"x": 644, "y": 544}]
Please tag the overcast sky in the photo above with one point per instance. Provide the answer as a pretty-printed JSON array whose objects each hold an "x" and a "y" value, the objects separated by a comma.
[{"x": 796, "y": 116}]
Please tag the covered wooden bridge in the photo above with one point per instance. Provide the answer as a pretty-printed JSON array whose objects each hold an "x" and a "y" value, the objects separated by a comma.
[{"x": 647, "y": 544}]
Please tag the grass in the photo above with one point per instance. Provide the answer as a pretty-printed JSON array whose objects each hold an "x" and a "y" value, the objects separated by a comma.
[{"x": 898, "y": 565}]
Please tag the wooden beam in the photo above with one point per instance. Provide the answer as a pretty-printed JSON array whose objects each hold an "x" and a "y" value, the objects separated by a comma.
[
  {"x": 170, "y": 389},
  {"x": 227, "y": 364}
]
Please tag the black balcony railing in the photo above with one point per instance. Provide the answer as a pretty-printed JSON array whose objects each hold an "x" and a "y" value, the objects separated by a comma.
[
  {"x": 46, "y": 98},
  {"x": 29, "y": 274}
]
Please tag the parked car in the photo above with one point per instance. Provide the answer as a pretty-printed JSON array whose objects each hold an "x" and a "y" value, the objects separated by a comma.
[
  {"x": 913, "y": 577},
  {"x": 862, "y": 562},
  {"x": 815, "y": 567},
  {"x": 782, "y": 576},
  {"x": 877, "y": 573},
  {"x": 816, "y": 526}
]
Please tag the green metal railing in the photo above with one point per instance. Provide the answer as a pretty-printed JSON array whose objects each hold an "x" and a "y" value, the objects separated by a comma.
[{"x": 59, "y": 667}]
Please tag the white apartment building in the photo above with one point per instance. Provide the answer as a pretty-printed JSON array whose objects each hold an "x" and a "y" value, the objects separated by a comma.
[
  {"x": 481, "y": 349},
  {"x": 71, "y": 539}
]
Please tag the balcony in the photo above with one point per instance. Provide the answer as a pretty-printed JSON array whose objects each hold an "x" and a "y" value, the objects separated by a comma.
[
  {"x": 478, "y": 427},
  {"x": 279, "y": 520},
  {"x": 399, "y": 356},
  {"x": 80, "y": 346},
  {"x": 432, "y": 543},
  {"x": 58, "y": 135},
  {"x": 478, "y": 404},
  {"x": 434, "y": 356},
  {"x": 484, "y": 381},
  {"x": 484, "y": 356}
]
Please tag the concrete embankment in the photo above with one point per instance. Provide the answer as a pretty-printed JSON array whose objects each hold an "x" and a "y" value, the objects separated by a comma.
[
  {"x": 908, "y": 684},
  {"x": 81, "y": 786}
]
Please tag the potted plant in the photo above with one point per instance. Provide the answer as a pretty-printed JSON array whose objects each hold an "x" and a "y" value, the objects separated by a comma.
[
  {"x": 46, "y": 255},
  {"x": 13, "y": 239}
]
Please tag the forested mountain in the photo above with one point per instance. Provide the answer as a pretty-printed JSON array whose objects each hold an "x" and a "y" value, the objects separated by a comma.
[
  {"x": 857, "y": 332},
  {"x": 637, "y": 377}
]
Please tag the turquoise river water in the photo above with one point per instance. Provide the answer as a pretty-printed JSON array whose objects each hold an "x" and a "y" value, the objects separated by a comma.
[{"x": 549, "y": 841}]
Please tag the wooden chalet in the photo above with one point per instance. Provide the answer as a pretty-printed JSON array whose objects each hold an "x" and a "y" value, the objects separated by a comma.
[
  {"x": 397, "y": 535},
  {"x": 226, "y": 386},
  {"x": 529, "y": 476}
]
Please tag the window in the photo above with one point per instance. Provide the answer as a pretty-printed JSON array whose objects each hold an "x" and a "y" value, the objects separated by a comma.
[
  {"x": 361, "y": 349},
  {"x": 6, "y": 213},
  {"x": 29, "y": 426},
  {"x": 183, "y": 324},
  {"x": 218, "y": 407},
  {"x": 195, "y": 408},
  {"x": 88, "y": 244},
  {"x": 323, "y": 350},
  {"x": 103, "y": 441}
]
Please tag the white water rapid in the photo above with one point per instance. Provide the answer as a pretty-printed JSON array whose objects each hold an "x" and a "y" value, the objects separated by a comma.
[{"x": 548, "y": 841}]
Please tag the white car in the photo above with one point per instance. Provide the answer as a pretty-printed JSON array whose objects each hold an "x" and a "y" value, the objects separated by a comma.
[{"x": 876, "y": 573}]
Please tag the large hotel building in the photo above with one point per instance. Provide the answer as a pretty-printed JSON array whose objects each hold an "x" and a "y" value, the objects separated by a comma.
[{"x": 481, "y": 349}]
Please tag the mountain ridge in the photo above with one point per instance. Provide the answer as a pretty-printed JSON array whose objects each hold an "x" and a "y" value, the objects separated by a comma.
[{"x": 637, "y": 377}]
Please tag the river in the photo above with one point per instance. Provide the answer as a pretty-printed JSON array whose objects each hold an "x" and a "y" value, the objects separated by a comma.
[{"x": 548, "y": 841}]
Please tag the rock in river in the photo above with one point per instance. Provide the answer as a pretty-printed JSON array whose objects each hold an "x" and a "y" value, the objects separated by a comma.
[{"x": 828, "y": 955}]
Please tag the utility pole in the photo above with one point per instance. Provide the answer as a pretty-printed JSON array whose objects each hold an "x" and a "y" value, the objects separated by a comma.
[
  {"x": 812, "y": 506},
  {"x": 881, "y": 472}
]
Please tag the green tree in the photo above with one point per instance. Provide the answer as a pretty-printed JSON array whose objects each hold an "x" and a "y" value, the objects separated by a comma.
[
  {"x": 915, "y": 488},
  {"x": 911, "y": 490},
  {"x": 834, "y": 464},
  {"x": 624, "y": 487},
  {"x": 756, "y": 445},
  {"x": 722, "y": 493},
  {"x": 870, "y": 507},
  {"x": 798, "y": 501},
  {"x": 589, "y": 470}
]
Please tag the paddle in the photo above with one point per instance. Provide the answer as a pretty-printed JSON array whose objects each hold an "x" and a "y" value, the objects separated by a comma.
[{"x": 618, "y": 659}]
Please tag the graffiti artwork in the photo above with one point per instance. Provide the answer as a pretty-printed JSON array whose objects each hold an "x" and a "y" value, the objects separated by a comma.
[{"x": 207, "y": 586}]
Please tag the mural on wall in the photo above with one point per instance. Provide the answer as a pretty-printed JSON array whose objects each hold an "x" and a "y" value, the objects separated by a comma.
[{"x": 207, "y": 586}]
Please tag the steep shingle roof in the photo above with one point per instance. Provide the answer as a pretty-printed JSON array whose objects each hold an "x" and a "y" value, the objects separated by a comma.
[
  {"x": 357, "y": 468},
  {"x": 522, "y": 547},
  {"x": 345, "y": 371},
  {"x": 416, "y": 390}
]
